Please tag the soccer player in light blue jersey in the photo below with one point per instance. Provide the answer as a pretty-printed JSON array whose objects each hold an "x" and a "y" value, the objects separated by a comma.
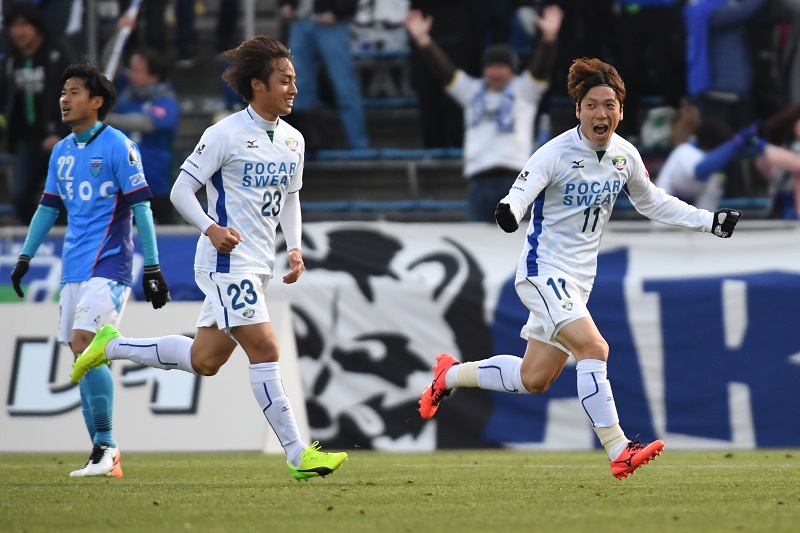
[
  {"x": 95, "y": 173},
  {"x": 572, "y": 182},
  {"x": 251, "y": 165}
]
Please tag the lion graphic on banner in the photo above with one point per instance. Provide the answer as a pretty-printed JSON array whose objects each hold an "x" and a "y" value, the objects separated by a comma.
[{"x": 370, "y": 315}]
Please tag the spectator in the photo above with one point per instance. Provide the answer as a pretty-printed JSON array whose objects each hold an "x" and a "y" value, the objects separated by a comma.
[
  {"x": 692, "y": 176},
  {"x": 148, "y": 112},
  {"x": 643, "y": 53},
  {"x": 441, "y": 118},
  {"x": 153, "y": 12},
  {"x": 225, "y": 32},
  {"x": 779, "y": 163},
  {"x": 499, "y": 109},
  {"x": 719, "y": 68},
  {"x": 318, "y": 29},
  {"x": 30, "y": 102},
  {"x": 790, "y": 61}
]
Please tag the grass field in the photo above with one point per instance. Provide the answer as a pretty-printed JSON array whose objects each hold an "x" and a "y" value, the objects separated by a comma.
[{"x": 457, "y": 491}]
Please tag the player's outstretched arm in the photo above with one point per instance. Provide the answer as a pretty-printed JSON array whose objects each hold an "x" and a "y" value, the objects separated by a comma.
[{"x": 724, "y": 222}]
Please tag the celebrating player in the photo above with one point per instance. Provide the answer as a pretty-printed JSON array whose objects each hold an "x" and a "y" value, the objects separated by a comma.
[
  {"x": 96, "y": 174},
  {"x": 251, "y": 164},
  {"x": 573, "y": 181}
]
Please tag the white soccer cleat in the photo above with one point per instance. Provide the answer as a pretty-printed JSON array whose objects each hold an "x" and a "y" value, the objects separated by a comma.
[{"x": 104, "y": 461}]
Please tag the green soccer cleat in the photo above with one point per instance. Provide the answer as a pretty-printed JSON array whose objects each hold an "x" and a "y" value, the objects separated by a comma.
[
  {"x": 316, "y": 463},
  {"x": 94, "y": 355}
]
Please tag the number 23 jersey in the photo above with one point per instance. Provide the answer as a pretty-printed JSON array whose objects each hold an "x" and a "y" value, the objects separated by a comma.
[{"x": 247, "y": 176}]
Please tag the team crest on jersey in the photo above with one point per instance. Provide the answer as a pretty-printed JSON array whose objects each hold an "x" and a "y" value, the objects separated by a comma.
[
  {"x": 523, "y": 175},
  {"x": 619, "y": 162},
  {"x": 249, "y": 313},
  {"x": 95, "y": 165},
  {"x": 292, "y": 144},
  {"x": 567, "y": 306},
  {"x": 133, "y": 155}
]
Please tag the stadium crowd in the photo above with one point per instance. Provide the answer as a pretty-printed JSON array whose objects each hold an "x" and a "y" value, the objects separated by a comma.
[{"x": 713, "y": 86}]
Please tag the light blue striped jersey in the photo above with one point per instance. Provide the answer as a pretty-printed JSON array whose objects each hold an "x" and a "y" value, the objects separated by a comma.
[{"x": 97, "y": 184}]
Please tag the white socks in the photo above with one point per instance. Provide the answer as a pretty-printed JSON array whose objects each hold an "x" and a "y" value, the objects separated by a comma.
[
  {"x": 268, "y": 389},
  {"x": 500, "y": 373},
  {"x": 172, "y": 351},
  {"x": 594, "y": 391}
]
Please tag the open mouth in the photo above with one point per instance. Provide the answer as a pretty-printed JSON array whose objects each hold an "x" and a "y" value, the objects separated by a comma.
[{"x": 600, "y": 130}]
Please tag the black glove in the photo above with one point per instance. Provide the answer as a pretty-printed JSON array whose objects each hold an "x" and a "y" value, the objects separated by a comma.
[
  {"x": 20, "y": 269},
  {"x": 724, "y": 221},
  {"x": 155, "y": 286},
  {"x": 505, "y": 218}
]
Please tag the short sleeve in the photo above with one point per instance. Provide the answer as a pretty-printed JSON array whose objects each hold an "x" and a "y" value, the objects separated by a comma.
[{"x": 207, "y": 157}]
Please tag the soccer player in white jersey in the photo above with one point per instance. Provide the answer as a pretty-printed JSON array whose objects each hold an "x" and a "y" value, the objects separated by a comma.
[
  {"x": 96, "y": 174},
  {"x": 572, "y": 182},
  {"x": 251, "y": 165}
]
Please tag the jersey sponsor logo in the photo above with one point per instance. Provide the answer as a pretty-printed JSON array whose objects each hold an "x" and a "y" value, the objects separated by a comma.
[
  {"x": 523, "y": 176},
  {"x": 578, "y": 164},
  {"x": 137, "y": 179},
  {"x": 567, "y": 306},
  {"x": 133, "y": 155},
  {"x": 199, "y": 149},
  {"x": 619, "y": 162},
  {"x": 586, "y": 193},
  {"x": 269, "y": 174},
  {"x": 252, "y": 144},
  {"x": 292, "y": 144},
  {"x": 249, "y": 313},
  {"x": 95, "y": 164},
  {"x": 195, "y": 165}
]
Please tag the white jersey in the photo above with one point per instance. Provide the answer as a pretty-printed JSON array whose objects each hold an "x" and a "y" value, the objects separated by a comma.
[
  {"x": 247, "y": 176},
  {"x": 573, "y": 186},
  {"x": 485, "y": 147}
]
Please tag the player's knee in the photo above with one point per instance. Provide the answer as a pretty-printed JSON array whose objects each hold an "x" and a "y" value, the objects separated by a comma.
[
  {"x": 597, "y": 348},
  {"x": 536, "y": 384},
  {"x": 205, "y": 369}
]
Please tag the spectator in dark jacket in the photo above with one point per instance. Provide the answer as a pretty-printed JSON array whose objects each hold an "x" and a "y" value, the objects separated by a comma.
[{"x": 30, "y": 93}]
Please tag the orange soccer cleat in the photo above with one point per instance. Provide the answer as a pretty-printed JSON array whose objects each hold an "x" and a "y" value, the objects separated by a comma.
[
  {"x": 635, "y": 455},
  {"x": 429, "y": 402}
]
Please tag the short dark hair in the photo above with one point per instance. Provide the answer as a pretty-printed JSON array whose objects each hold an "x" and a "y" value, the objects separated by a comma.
[
  {"x": 501, "y": 54},
  {"x": 95, "y": 82},
  {"x": 27, "y": 12},
  {"x": 712, "y": 132},
  {"x": 157, "y": 64},
  {"x": 586, "y": 73},
  {"x": 254, "y": 58}
]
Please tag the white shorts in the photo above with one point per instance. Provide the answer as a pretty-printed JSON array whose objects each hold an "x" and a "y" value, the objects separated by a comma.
[
  {"x": 232, "y": 299},
  {"x": 553, "y": 302},
  {"x": 88, "y": 305}
]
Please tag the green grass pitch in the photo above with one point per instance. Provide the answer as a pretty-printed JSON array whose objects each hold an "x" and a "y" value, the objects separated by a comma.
[{"x": 456, "y": 491}]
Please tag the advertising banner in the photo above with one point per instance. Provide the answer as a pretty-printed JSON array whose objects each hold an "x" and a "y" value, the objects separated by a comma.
[{"x": 703, "y": 352}]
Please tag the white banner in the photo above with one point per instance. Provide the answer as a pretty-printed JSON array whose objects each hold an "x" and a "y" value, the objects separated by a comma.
[{"x": 154, "y": 410}]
